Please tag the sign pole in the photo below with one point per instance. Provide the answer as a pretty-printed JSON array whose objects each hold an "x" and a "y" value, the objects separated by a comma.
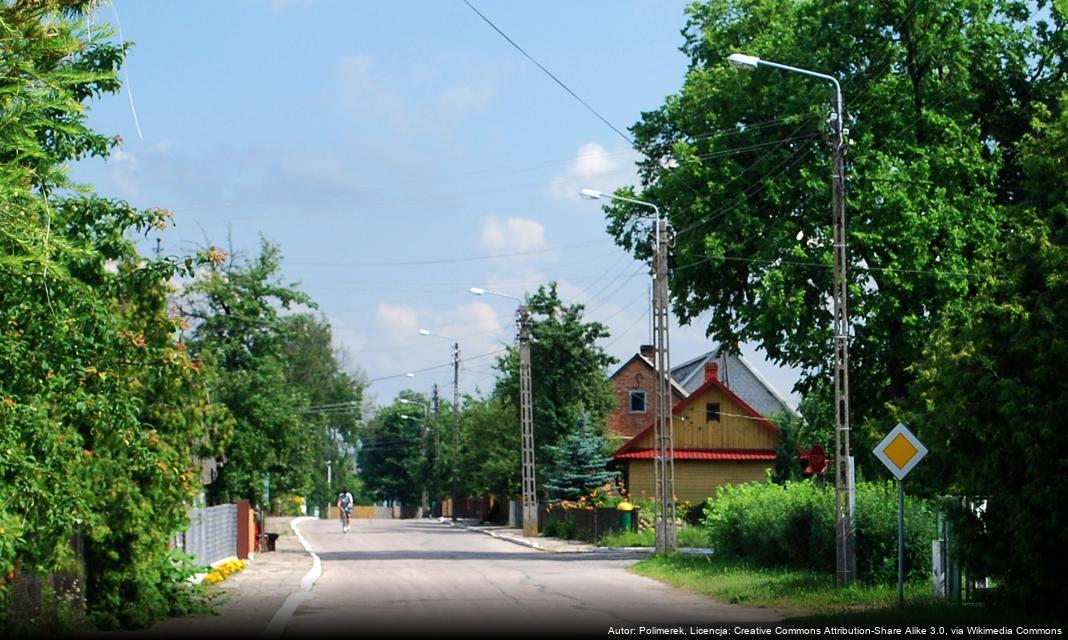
[{"x": 901, "y": 544}]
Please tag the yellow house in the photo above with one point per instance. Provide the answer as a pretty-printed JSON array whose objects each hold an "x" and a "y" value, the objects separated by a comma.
[{"x": 718, "y": 439}]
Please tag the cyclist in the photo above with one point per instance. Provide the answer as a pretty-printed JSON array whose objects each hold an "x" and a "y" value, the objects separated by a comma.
[{"x": 344, "y": 505}]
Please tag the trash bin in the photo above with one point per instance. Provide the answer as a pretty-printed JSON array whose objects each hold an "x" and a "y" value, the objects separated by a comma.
[
  {"x": 624, "y": 509},
  {"x": 271, "y": 539}
]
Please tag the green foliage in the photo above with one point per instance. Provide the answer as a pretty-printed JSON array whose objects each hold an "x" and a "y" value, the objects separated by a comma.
[
  {"x": 103, "y": 410},
  {"x": 567, "y": 372},
  {"x": 580, "y": 463},
  {"x": 991, "y": 402},
  {"x": 490, "y": 455},
  {"x": 236, "y": 309},
  {"x": 792, "y": 525},
  {"x": 563, "y": 528},
  {"x": 938, "y": 94},
  {"x": 391, "y": 457}
]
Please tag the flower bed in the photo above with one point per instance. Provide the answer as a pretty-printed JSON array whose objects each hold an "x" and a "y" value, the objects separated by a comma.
[{"x": 223, "y": 571}]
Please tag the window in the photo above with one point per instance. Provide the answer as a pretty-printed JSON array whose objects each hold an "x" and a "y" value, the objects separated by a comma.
[
  {"x": 637, "y": 401},
  {"x": 712, "y": 412}
]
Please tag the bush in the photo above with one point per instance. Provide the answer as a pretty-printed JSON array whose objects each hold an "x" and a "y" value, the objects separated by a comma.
[{"x": 792, "y": 525}]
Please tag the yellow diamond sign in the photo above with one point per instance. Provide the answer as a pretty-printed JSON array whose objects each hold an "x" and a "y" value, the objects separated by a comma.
[{"x": 900, "y": 450}]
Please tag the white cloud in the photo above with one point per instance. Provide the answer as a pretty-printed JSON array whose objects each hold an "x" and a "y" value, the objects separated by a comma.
[
  {"x": 514, "y": 235},
  {"x": 398, "y": 317},
  {"x": 595, "y": 167},
  {"x": 380, "y": 95}
]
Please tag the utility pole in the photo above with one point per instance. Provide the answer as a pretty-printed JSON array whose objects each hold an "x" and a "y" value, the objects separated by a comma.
[
  {"x": 664, "y": 460},
  {"x": 845, "y": 520},
  {"x": 435, "y": 405},
  {"x": 455, "y": 426},
  {"x": 526, "y": 420}
]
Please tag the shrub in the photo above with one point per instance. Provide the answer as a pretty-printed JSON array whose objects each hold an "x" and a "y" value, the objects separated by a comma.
[{"x": 792, "y": 524}]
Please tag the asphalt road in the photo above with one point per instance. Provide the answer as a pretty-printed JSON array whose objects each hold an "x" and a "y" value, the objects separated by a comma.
[{"x": 421, "y": 576}]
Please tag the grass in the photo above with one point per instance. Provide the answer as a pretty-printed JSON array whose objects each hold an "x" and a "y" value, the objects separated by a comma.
[
  {"x": 687, "y": 537},
  {"x": 811, "y": 599}
]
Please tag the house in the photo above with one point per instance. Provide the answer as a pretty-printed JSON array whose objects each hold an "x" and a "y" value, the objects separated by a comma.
[
  {"x": 718, "y": 438},
  {"x": 634, "y": 385},
  {"x": 738, "y": 375}
]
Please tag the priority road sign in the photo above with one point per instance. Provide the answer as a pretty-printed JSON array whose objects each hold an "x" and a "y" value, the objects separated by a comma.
[{"x": 900, "y": 451}]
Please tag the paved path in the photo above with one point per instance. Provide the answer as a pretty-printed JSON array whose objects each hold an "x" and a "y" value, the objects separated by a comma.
[
  {"x": 422, "y": 576},
  {"x": 251, "y": 597}
]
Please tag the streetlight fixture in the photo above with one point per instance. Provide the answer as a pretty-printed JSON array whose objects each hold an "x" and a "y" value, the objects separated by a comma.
[
  {"x": 664, "y": 458},
  {"x": 424, "y": 503},
  {"x": 526, "y": 413},
  {"x": 455, "y": 415},
  {"x": 845, "y": 531}
]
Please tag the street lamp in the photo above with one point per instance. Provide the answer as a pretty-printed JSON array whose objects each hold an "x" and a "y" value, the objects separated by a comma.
[
  {"x": 455, "y": 416},
  {"x": 664, "y": 460},
  {"x": 526, "y": 414},
  {"x": 845, "y": 532},
  {"x": 424, "y": 505}
]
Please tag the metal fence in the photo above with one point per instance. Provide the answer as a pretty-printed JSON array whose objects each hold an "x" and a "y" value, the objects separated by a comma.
[{"x": 212, "y": 534}]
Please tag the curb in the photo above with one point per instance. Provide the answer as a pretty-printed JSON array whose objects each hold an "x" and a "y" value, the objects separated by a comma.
[
  {"x": 289, "y": 607},
  {"x": 534, "y": 545}
]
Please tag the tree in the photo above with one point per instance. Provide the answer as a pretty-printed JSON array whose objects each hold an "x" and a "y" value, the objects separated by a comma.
[
  {"x": 333, "y": 418},
  {"x": 103, "y": 411},
  {"x": 991, "y": 402},
  {"x": 580, "y": 462},
  {"x": 937, "y": 94},
  {"x": 391, "y": 456},
  {"x": 490, "y": 455},
  {"x": 568, "y": 371},
  {"x": 237, "y": 324}
]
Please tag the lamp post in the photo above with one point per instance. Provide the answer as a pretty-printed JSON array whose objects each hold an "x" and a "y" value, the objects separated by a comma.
[
  {"x": 424, "y": 503},
  {"x": 845, "y": 531},
  {"x": 455, "y": 415},
  {"x": 526, "y": 414},
  {"x": 664, "y": 460}
]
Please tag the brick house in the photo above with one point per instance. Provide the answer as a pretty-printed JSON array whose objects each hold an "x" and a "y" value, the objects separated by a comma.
[{"x": 634, "y": 385}]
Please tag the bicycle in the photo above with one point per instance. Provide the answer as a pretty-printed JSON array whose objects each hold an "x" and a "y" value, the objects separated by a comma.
[{"x": 346, "y": 515}]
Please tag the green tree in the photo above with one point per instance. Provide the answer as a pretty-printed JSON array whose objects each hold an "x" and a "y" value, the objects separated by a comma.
[
  {"x": 236, "y": 308},
  {"x": 490, "y": 455},
  {"x": 332, "y": 420},
  {"x": 937, "y": 95},
  {"x": 580, "y": 462},
  {"x": 568, "y": 372},
  {"x": 103, "y": 411},
  {"x": 391, "y": 456},
  {"x": 991, "y": 399}
]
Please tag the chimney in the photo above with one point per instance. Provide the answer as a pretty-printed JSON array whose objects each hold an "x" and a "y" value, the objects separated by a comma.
[
  {"x": 647, "y": 351},
  {"x": 711, "y": 371}
]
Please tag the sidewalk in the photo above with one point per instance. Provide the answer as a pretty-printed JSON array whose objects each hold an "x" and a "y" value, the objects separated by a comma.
[
  {"x": 551, "y": 545},
  {"x": 251, "y": 597}
]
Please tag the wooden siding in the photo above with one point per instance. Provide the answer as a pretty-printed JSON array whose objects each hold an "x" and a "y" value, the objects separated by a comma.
[
  {"x": 734, "y": 430},
  {"x": 694, "y": 480}
]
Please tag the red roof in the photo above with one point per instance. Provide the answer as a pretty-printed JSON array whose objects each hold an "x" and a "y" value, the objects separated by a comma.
[{"x": 701, "y": 454}]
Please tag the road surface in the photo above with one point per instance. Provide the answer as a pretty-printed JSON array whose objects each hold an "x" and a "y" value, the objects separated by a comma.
[{"x": 422, "y": 576}]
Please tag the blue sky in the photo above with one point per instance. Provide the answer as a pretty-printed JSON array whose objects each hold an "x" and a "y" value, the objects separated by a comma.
[{"x": 392, "y": 149}]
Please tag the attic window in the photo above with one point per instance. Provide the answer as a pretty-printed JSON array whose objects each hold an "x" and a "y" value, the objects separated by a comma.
[
  {"x": 712, "y": 412},
  {"x": 637, "y": 401}
]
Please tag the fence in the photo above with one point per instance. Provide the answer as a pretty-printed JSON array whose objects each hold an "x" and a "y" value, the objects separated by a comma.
[
  {"x": 589, "y": 525},
  {"x": 212, "y": 534},
  {"x": 43, "y": 604}
]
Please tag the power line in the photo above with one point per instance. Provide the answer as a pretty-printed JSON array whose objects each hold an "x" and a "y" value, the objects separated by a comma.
[{"x": 550, "y": 74}]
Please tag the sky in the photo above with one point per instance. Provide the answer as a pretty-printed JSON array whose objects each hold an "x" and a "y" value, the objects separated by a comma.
[{"x": 400, "y": 154}]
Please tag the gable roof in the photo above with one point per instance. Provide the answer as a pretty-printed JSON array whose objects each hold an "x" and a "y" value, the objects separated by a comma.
[
  {"x": 739, "y": 376},
  {"x": 632, "y": 444},
  {"x": 674, "y": 383}
]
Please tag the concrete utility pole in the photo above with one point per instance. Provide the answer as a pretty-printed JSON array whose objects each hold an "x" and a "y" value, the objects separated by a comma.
[
  {"x": 664, "y": 450},
  {"x": 664, "y": 461},
  {"x": 845, "y": 501},
  {"x": 455, "y": 426},
  {"x": 526, "y": 420}
]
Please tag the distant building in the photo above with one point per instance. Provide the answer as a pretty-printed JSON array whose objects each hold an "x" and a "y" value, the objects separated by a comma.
[{"x": 634, "y": 385}]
